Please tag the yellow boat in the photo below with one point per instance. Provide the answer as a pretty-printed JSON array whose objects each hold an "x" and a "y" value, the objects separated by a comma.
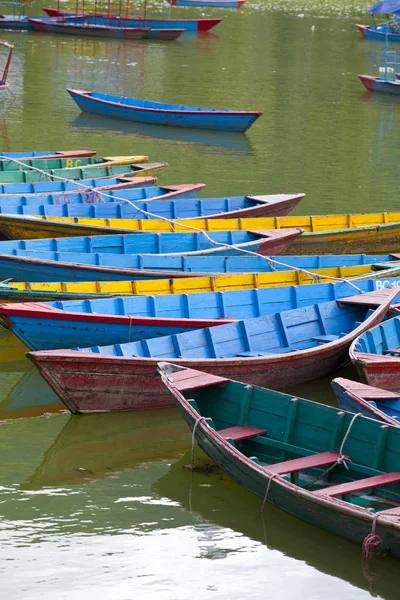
[
  {"x": 25, "y": 292},
  {"x": 372, "y": 233}
]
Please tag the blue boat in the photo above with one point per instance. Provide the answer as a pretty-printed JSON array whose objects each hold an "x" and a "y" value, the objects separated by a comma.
[
  {"x": 49, "y": 154},
  {"x": 376, "y": 354},
  {"x": 111, "y": 257},
  {"x": 191, "y": 25},
  {"x": 154, "y": 200},
  {"x": 52, "y": 325},
  {"x": 277, "y": 350},
  {"x": 372, "y": 402},
  {"x": 68, "y": 187},
  {"x": 36, "y": 265},
  {"x": 144, "y": 111},
  {"x": 65, "y": 204}
]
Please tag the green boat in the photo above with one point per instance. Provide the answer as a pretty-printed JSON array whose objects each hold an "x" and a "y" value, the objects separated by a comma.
[
  {"x": 333, "y": 469},
  {"x": 64, "y": 162},
  {"x": 90, "y": 171}
]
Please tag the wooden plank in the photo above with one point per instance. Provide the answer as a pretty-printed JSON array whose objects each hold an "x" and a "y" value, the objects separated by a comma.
[
  {"x": 305, "y": 462},
  {"x": 360, "y": 485},
  {"x": 368, "y": 299},
  {"x": 189, "y": 379},
  {"x": 241, "y": 433}
]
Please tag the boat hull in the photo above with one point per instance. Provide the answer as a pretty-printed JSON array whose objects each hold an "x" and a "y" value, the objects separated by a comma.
[
  {"x": 25, "y": 268},
  {"x": 233, "y": 121},
  {"x": 350, "y": 397},
  {"x": 377, "y": 32},
  {"x": 90, "y": 382},
  {"x": 191, "y": 25},
  {"x": 44, "y": 327},
  {"x": 66, "y": 28},
  {"x": 373, "y": 239},
  {"x": 337, "y": 516},
  {"x": 377, "y": 84}
]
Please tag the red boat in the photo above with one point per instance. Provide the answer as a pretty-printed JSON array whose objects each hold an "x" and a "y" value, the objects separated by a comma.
[{"x": 116, "y": 378}]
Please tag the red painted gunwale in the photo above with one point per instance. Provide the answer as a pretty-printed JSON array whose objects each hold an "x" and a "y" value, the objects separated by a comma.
[
  {"x": 361, "y": 393},
  {"x": 88, "y": 94},
  {"x": 377, "y": 371},
  {"x": 361, "y": 29},
  {"x": 42, "y": 311},
  {"x": 89, "y": 382}
]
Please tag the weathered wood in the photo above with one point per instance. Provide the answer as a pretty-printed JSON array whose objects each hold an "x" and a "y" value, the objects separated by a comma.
[
  {"x": 359, "y": 485},
  {"x": 305, "y": 462}
]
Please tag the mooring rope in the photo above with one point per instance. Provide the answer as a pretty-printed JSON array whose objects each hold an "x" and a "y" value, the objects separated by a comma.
[{"x": 172, "y": 223}]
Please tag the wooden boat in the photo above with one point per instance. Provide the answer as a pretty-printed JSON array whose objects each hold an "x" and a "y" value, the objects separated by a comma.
[
  {"x": 382, "y": 31},
  {"x": 322, "y": 234},
  {"x": 159, "y": 202},
  {"x": 91, "y": 171},
  {"x": 116, "y": 321},
  {"x": 42, "y": 204},
  {"x": 280, "y": 448},
  {"x": 208, "y": 3},
  {"x": 376, "y": 354},
  {"x": 3, "y": 81},
  {"x": 46, "y": 155},
  {"x": 111, "y": 257},
  {"x": 90, "y": 25},
  {"x": 28, "y": 292},
  {"x": 191, "y": 25},
  {"x": 61, "y": 162},
  {"x": 380, "y": 84},
  {"x": 64, "y": 189},
  {"x": 371, "y": 402},
  {"x": 276, "y": 350},
  {"x": 144, "y": 111}
]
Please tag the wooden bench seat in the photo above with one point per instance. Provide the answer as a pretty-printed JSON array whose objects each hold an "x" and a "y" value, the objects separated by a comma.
[
  {"x": 391, "y": 351},
  {"x": 325, "y": 338},
  {"x": 237, "y": 434},
  {"x": 359, "y": 485},
  {"x": 305, "y": 462},
  {"x": 254, "y": 353},
  {"x": 391, "y": 512}
]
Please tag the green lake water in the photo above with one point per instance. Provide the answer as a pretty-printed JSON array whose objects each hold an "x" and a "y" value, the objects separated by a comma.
[{"x": 103, "y": 506}]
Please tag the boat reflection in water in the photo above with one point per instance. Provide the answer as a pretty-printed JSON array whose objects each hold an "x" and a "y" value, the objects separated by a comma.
[
  {"x": 94, "y": 447},
  {"x": 27, "y": 395},
  {"x": 233, "y": 143},
  {"x": 217, "y": 499}
]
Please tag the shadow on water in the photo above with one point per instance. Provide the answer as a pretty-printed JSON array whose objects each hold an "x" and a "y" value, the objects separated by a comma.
[
  {"x": 233, "y": 143},
  {"x": 92, "y": 447},
  {"x": 218, "y": 499}
]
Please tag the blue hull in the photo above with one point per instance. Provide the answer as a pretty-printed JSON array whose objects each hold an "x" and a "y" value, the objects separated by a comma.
[
  {"x": 163, "y": 114},
  {"x": 55, "y": 187},
  {"x": 74, "y": 205},
  {"x": 377, "y": 32},
  {"x": 36, "y": 265},
  {"x": 14, "y": 22},
  {"x": 347, "y": 403},
  {"x": 42, "y": 333},
  {"x": 53, "y": 333}
]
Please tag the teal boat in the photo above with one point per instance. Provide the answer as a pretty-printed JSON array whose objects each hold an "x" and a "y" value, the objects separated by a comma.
[{"x": 335, "y": 470}]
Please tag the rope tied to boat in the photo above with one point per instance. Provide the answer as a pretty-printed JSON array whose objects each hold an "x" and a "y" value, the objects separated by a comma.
[
  {"x": 198, "y": 420},
  {"x": 316, "y": 277},
  {"x": 271, "y": 477},
  {"x": 341, "y": 460},
  {"x": 373, "y": 542}
]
